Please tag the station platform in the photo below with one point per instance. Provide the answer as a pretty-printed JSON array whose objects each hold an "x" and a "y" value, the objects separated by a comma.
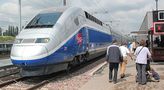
[
  {"x": 100, "y": 80},
  {"x": 5, "y": 62}
]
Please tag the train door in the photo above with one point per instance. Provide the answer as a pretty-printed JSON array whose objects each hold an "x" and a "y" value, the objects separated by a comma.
[
  {"x": 81, "y": 35},
  {"x": 81, "y": 41},
  {"x": 85, "y": 45}
]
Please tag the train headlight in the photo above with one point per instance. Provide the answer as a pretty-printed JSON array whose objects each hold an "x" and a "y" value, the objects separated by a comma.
[
  {"x": 42, "y": 40},
  {"x": 18, "y": 41}
]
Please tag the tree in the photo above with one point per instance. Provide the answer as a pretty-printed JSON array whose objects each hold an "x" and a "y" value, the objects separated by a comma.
[
  {"x": 16, "y": 30},
  {"x": 12, "y": 31}
]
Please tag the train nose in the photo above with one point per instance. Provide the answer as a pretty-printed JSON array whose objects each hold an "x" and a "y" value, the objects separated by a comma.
[{"x": 28, "y": 52}]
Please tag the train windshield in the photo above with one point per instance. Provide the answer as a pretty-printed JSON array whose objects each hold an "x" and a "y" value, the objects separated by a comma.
[{"x": 46, "y": 20}]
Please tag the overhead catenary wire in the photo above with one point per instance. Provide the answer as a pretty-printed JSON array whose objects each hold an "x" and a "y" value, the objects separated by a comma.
[
  {"x": 102, "y": 8},
  {"x": 111, "y": 19}
]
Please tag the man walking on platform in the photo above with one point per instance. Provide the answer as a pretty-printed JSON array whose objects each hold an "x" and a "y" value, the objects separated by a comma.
[
  {"x": 125, "y": 52},
  {"x": 114, "y": 57}
]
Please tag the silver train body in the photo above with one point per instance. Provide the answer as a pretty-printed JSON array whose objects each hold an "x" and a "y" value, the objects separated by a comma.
[{"x": 56, "y": 39}]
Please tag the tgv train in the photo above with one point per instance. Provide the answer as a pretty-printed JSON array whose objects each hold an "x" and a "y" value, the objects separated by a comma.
[{"x": 58, "y": 39}]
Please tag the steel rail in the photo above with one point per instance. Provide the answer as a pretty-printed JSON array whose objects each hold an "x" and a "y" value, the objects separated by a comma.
[
  {"x": 11, "y": 81},
  {"x": 8, "y": 70}
]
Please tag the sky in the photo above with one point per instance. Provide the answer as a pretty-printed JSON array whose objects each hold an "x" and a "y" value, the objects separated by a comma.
[{"x": 123, "y": 15}]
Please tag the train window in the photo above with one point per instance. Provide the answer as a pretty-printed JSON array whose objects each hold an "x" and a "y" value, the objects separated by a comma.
[
  {"x": 42, "y": 40},
  {"x": 92, "y": 18},
  {"x": 44, "y": 20},
  {"x": 161, "y": 15},
  {"x": 76, "y": 21},
  {"x": 86, "y": 14}
]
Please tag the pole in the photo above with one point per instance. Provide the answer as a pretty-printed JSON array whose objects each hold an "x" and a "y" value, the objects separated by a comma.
[
  {"x": 64, "y": 2},
  {"x": 156, "y": 5},
  {"x": 20, "y": 19}
]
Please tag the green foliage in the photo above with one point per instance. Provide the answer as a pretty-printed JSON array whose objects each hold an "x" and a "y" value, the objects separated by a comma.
[{"x": 6, "y": 38}]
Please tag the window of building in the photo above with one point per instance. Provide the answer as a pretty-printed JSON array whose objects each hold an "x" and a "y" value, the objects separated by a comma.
[{"x": 161, "y": 15}]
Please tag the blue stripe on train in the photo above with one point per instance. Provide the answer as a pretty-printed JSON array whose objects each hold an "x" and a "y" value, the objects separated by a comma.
[
  {"x": 99, "y": 37},
  {"x": 69, "y": 49}
]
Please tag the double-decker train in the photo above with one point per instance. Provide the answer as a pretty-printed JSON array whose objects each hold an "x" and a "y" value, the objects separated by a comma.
[{"x": 59, "y": 38}]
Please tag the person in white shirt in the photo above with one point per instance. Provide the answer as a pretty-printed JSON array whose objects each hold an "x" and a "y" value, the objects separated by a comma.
[
  {"x": 125, "y": 52},
  {"x": 142, "y": 53}
]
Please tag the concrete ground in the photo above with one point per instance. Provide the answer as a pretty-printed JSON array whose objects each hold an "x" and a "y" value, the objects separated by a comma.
[
  {"x": 100, "y": 80},
  {"x": 5, "y": 62}
]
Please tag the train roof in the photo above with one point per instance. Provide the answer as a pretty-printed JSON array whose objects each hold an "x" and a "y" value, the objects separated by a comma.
[{"x": 57, "y": 9}]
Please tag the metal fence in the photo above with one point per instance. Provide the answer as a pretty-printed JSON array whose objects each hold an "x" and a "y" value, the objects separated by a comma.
[{"x": 5, "y": 48}]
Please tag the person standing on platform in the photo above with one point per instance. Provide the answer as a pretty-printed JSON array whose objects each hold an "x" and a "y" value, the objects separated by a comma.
[
  {"x": 141, "y": 54},
  {"x": 114, "y": 57},
  {"x": 134, "y": 46},
  {"x": 125, "y": 52}
]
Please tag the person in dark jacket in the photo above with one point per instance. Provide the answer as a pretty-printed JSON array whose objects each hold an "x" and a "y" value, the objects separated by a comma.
[{"x": 114, "y": 57}]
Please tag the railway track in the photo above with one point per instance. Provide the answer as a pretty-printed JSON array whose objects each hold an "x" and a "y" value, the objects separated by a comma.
[
  {"x": 11, "y": 81},
  {"x": 38, "y": 85},
  {"x": 33, "y": 83},
  {"x": 8, "y": 74},
  {"x": 8, "y": 70}
]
